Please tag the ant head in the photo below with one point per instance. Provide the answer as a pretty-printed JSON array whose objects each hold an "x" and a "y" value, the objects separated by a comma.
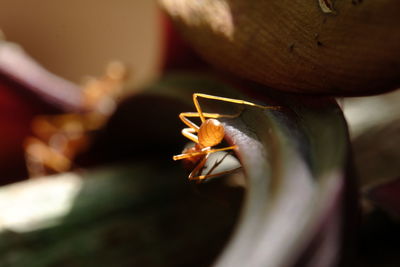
[{"x": 211, "y": 133}]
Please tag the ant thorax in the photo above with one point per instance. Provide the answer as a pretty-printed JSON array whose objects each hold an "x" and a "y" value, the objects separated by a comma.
[{"x": 190, "y": 162}]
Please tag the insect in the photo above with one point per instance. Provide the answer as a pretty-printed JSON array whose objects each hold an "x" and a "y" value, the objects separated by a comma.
[
  {"x": 210, "y": 133},
  {"x": 58, "y": 139}
]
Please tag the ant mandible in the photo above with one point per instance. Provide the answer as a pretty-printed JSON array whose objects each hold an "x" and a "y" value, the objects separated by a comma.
[{"x": 210, "y": 133}]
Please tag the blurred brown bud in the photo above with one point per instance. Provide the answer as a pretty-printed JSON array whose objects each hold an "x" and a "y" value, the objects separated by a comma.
[{"x": 344, "y": 48}]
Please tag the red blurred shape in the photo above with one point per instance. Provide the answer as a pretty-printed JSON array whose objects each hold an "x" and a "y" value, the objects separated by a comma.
[{"x": 387, "y": 196}]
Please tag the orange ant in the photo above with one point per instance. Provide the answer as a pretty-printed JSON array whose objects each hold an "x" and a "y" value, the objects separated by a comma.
[
  {"x": 210, "y": 133},
  {"x": 58, "y": 139}
]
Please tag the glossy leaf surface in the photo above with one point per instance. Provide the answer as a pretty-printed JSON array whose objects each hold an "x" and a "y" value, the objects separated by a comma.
[{"x": 295, "y": 161}]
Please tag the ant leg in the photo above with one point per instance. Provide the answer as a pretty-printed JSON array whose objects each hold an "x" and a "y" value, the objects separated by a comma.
[
  {"x": 231, "y": 100},
  {"x": 198, "y": 168},
  {"x": 218, "y": 162},
  {"x": 188, "y": 133},
  {"x": 185, "y": 115},
  {"x": 209, "y": 174},
  {"x": 184, "y": 118},
  {"x": 203, "y": 152}
]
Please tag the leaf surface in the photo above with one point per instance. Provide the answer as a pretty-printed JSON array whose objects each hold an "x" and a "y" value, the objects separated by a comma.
[{"x": 295, "y": 160}]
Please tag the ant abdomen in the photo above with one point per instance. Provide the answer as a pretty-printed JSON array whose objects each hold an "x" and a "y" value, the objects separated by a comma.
[{"x": 211, "y": 133}]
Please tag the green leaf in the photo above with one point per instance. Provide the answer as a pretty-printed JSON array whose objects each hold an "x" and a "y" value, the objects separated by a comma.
[{"x": 132, "y": 215}]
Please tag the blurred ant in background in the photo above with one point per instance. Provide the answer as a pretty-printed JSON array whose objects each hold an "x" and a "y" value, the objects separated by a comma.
[{"x": 59, "y": 138}]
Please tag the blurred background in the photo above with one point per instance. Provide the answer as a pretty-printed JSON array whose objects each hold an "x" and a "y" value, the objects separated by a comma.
[{"x": 75, "y": 39}]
